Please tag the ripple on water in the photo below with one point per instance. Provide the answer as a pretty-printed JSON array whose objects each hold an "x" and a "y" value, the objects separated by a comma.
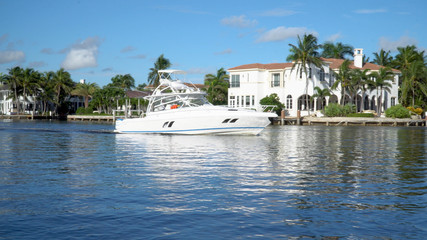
[{"x": 80, "y": 181}]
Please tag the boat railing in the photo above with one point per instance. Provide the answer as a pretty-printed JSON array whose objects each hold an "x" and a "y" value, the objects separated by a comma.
[
  {"x": 127, "y": 113},
  {"x": 268, "y": 108}
]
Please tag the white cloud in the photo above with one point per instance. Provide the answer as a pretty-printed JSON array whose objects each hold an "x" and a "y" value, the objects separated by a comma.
[
  {"x": 128, "y": 49},
  {"x": 239, "y": 22},
  {"x": 388, "y": 45},
  {"x": 226, "y": 51},
  {"x": 82, "y": 55},
  {"x": 278, "y": 12},
  {"x": 370, "y": 11},
  {"x": 333, "y": 37},
  {"x": 48, "y": 51},
  {"x": 139, "y": 56},
  {"x": 283, "y": 33},
  {"x": 3, "y": 38},
  {"x": 108, "y": 69},
  {"x": 37, "y": 64},
  {"x": 11, "y": 56}
]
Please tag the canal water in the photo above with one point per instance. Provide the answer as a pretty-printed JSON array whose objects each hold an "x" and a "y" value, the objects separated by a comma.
[{"x": 62, "y": 180}]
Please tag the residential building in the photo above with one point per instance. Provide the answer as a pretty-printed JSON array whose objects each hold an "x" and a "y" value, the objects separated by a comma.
[{"x": 251, "y": 82}]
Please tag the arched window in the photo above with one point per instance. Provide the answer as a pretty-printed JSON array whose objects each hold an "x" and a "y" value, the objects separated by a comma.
[
  {"x": 289, "y": 102},
  {"x": 302, "y": 102},
  {"x": 322, "y": 75}
]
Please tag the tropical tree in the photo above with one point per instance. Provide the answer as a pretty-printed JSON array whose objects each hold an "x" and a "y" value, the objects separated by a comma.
[
  {"x": 305, "y": 54},
  {"x": 14, "y": 79},
  {"x": 342, "y": 79},
  {"x": 160, "y": 64},
  {"x": 86, "y": 90},
  {"x": 62, "y": 86},
  {"x": 383, "y": 58},
  {"x": 34, "y": 88},
  {"x": 405, "y": 57},
  {"x": 361, "y": 79},
  {"x": 217, "y": 87},
  {"x": 125, "y": 82},
  {"x": 29, "y": 77},
  {"x": 382, "y": 80},
  {"x": 337, "y": 50},
  {"x": 321, "y": 94},
  {"x": 141, "y": 87},
  {"x": 415, "y": 79},
  {"x": 46, "y": 90}
]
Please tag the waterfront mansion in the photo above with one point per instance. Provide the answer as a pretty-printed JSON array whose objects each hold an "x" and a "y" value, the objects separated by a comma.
[{"x": 251, "y": 82}]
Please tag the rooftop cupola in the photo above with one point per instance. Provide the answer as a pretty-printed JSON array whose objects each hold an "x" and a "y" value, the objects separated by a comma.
[{"x": 358, "y": 57}]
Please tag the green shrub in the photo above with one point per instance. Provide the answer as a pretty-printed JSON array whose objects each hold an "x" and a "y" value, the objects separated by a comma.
[
  {"x": 333, "y": 110},
  {"x": 360, "y": 115},
  {"x": 397, "y": 111},
  {"x": 349, "y": 108},
  {"x": 84, "y": 111},
  {"x": 273, "y": 99},
  {"x": 80, "y": 111}
]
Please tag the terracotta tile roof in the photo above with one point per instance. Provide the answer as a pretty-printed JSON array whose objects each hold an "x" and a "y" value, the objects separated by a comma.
[
  {"x": 137, "y": 94},
  {"x": 268, "y": 66},
  {"x": 333, "y": 64},
  {"x": 336, "y": 63}
]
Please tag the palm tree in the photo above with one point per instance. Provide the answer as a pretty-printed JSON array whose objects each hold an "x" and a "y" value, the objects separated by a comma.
[
  {"x": 337, "y": 50},
  {"x": 62, "y": 86},
  {"x": 28, "y": 78},
  {"x": 125, "y": 82},
  {"x": 342, "y": 79},
  {"x": 217, "y": 87},
  {"x": 362, "y": 80},
  {"x": 382, "y": 78},
  {"x": 405, "y": 57},
  {"x": 86, "y": 90},
  {"x": 14, "y": 79},
  {"x": 415, "y": 78},
  {"x": 321, "y": 94},
  {"x": 160, "y": 64},
  {"x": 47, "y": 92},
  {"x": 304, "y": 55},
  {"x": 34, "y": 88},
  {"x": 383, "y": 58}
]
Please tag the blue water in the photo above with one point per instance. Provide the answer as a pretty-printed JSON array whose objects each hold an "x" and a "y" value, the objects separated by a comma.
[{"x": 63, "y": 180}]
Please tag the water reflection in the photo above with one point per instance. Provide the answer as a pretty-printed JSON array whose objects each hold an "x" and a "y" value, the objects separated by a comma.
[{"x": 290, "y": 181}]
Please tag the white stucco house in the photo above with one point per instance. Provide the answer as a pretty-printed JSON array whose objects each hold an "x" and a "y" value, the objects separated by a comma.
[{"x": 250, "y": 83}]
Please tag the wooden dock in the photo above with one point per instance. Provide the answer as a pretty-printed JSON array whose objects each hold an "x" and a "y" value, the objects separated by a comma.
[
  {"x": 90, "y": 118},
  {"x": 355, "y": 121}
]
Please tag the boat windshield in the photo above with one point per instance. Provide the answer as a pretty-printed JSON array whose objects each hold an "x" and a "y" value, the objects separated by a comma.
[
  {"x": 173, "y": 94},
  {"x": 177, "y": 101}
]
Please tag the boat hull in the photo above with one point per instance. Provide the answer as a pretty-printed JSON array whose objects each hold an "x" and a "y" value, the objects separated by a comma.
[{"x": 219, "y": 121}]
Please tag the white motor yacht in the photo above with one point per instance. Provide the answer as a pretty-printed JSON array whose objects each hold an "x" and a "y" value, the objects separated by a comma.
[{"x": 176, "y": 108}]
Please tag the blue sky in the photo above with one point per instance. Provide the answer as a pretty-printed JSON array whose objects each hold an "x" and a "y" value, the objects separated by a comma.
[{"x": 98, "y": 39}]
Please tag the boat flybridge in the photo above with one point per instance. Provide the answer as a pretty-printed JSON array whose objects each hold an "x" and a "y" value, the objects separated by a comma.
[{"x": 178, "y": 108}]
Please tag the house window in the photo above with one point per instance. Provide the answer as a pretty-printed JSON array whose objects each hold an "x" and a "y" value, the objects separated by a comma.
[
  {"x": 289, "y": 102},
  {"x": 322, "y": 74},
  {"x": 235, "y": 81},
  {"x": 331, "y": 80},
  {"x": 275, "y": 81},
  {"x": 248, "y": 100},
  {"x": 232, "y": 101},
  {"x": 253, "y": 100},
  {"x": 309, "y": 72},
  {"x": 393, "y": 101},
  {"x": 238, "y": 101}
]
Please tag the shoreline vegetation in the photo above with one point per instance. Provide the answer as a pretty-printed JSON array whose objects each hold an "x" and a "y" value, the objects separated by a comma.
[
  {"x": 48, "y": 93},
  {"x": 305, "y": 121}
]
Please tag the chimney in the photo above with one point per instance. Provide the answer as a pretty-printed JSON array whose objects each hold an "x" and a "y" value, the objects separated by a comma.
[
  {"x": 358, "y": 57},
  {"x": 82, "y": 81}
]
